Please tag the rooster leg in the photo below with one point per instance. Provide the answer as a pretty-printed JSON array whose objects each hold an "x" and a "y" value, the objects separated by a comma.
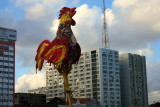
[{"x": 67, "y": 88}]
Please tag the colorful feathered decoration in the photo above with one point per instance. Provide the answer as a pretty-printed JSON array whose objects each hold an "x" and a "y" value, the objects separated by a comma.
[
  {"x": 64, "y": 50},
  {"x": 40, "y": 50}
]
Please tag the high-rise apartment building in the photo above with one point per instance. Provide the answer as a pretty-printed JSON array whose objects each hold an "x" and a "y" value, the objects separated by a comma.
[
  {"x": 7, "y": 66},
  {"x": 95, "y": 76},
  {"x": 133, "y": 80}
]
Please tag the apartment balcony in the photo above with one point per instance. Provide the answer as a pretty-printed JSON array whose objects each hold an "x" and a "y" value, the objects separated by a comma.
[
  {"x": 11, "y": 59},
  {"x": 10, "y": 103},
  {"x": 10, "y": 75},
  {"x": 11, "y": 64},
  {"x": 10, "y": 81},
  {"x": 5, "y": 104},
  {"x": 5, "y": 92},
  {"x": 1, "y": 63},
  {"x": 5, "y": 97},
  {"x": 10, "y": 86},
  {"x": 1, "y": 58},
  {"x": 6, "y": 53},
  {"x": 5, "y": 80},
  {"x": 11, "y": 48},
  {"x": 11, "y": 54},
  {"x": 5, "y": 69},
  {"x": 10, "y": 70},
  {"x": 5, "y": 58},
  {"x": 5, "y": 75}
]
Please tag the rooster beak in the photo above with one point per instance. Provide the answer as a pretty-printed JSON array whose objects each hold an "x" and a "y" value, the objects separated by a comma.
[{"x": 73, "y": 9}]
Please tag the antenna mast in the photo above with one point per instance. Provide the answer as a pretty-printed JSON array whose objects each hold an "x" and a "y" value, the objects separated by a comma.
[{"x": 105, "y": 39}]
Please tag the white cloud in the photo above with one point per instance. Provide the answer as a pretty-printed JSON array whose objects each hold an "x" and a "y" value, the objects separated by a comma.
[
  {"x": 74, "y": 2},
  {"x": 145, "y": 11},
  {"x": 89, "y": 27},
  {"x": 124, "y": 3},
  {"x": 55, "y": 3},
  {"x": 48, "y": 3},
  {"x": 127, "y": 34},
  {"x": 156, "y": 27},
  {"x": 133, "y": 27},
  {"x": 31, "y": 80},
  {"x": 86, "y": 20},
  {"x": 40, "y": 9},
  {"x": 54, "y": 26},
  {"x": 24, "y": 2},
  {"x": 109, "y": 17},
  {"x": 35, "y": 12},
  {"x": 124, "y": 31},
  {"x": 134, "y": 24},
  {"x": 34, "y": 27},
  {"x": 145, "y": 51},
  {"x": 154, "y": 96}
]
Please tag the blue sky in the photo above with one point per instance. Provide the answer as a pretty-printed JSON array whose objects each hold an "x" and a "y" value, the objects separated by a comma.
[
  {"x": 9, "y": 5},
  {"x": 133, "y": 26},
  {"x": 156, "y": 48},
  {"x": 4, "y": 4}
]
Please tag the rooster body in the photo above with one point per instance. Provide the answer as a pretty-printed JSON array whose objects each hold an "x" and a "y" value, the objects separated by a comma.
[{"x": 64, "y": 50}]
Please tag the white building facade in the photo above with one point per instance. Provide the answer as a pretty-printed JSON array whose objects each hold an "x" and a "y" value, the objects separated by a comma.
[
  {"x": 95, "y": 76},
  {"x": 7, "y": 66},
  {"x": 133, "y": 80},
  {"x": 41, "y": 90}
]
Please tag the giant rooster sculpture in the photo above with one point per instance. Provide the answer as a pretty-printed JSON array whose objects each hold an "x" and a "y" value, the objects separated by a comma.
[{"x": 63, "y": 51}]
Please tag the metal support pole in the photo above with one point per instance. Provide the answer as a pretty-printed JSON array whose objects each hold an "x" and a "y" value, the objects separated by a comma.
[{"x": 67, "y": 89}]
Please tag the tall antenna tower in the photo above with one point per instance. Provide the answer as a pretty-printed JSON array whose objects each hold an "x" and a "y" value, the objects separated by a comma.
[{"x": 105, "y": 39}]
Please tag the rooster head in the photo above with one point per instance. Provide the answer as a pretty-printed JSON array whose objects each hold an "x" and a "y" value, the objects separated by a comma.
[{"x": 66, "y": 15}]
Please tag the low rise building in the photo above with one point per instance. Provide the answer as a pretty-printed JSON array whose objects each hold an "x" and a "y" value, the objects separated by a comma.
[
  {"x": 30, "y": 98},
  {"x": 76, "y": 102},
  {"x": 41, "y": 90}
]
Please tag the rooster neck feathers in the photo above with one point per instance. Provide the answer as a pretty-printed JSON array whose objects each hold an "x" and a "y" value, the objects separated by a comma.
[{"x": 64, "y": 18}]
